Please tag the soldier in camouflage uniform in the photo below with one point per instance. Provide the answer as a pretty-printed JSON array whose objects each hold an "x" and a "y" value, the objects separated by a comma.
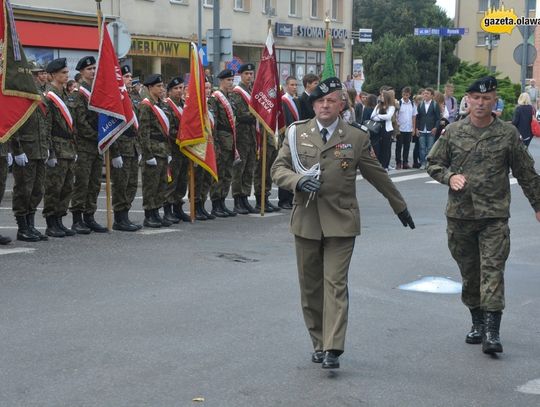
[
  {"x": 40, "y": 77},
  {"x": 154, "y": 132},
  {"x": 30, "y": 144},
  {"x": 5, "y": 162},
  {"x": 59, "y": 174},
  {"x": 177, "y": 188},
  {"x": 224, "y": 143},
  {"x": 124, "y": 154},
  {"x": 89, "y": 163},
  {"x": 245, "y": 141},
  {"x": 473, "y": 157}
]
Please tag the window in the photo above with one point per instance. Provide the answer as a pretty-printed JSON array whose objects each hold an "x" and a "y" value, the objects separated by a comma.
[
  {"x": 336, "y": 11},
  {"x": 293, "y": 8},
  {"x": 481, "y": 38},
  {"x": 531, "y": 5},
  {"x": 208, "y": 3},
  {"x": 239, "y": 4},
  {"x": 269, "y": 7},
  {"x": 315, "y": 8},
  {"x": 484, "y": 5},
  {"x": 179, "y": 1}
]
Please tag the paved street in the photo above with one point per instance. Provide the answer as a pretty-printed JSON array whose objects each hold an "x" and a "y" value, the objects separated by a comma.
[{"x": 159, "y": 317}]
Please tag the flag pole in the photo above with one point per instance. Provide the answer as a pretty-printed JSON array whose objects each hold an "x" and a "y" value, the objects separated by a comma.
[
  {"x": 107, "y": 160},
  {"x": 191, "y": 191}
]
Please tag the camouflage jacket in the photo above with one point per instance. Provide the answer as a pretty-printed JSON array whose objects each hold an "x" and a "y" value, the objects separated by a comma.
[
  {"x": 62, "y": 138},
  {"x": 34, "y": 137},
  {"x": 127, "y": 144},
  {"x": 484, "y": 156},
  {"x": 175, "y": 125},
  {"x": 153, "y": 142},
  {"x": 4, "y": 149},
  {"x": 223, "y": 133},
  {"x": 245, "y": 121},
  {"x": 86, "y": 123}
]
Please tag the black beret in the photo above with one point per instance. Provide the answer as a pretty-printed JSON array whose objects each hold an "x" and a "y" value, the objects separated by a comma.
[
  {"x": 126, "y": 69},
  {"x": 175, "y": 82},
  {"x": 56, "y": 65},
  {"x": 226, "y": 73},
  {"x": 153, "y": 79},
  {"x": 85, "y": 62},
  {"x": 246, "y": 67},
  {"x": 484, "y": 85},
  {"x": 326, "y": 87}
]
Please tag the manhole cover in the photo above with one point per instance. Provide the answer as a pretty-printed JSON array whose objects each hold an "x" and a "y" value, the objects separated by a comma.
[
  {"x": 436, "y": 285},
  {"x": 236, "y": 258}
]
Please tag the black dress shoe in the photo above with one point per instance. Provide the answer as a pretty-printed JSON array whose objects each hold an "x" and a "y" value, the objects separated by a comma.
[
  {"x": 317, "y": 356},
  {"x": 331, "y": 360},
  {"x": 285, "y": 205}
]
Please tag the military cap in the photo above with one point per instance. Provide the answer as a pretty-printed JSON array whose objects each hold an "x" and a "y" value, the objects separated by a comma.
[
  {"x": 126, "y": 69},
  {"x": 175, "y": 82},
  {"x": 85, "y": 62},
  {"x": 153, "y": 79},
  {"x": 35, "y": 67},
  {"x": 246, "y": 67},
  {"x": 56, "y": 65},
  {"x": 484, "y": 85},
  {"x": 326, "y": 87},
  {"x": 226, "y": 73}
]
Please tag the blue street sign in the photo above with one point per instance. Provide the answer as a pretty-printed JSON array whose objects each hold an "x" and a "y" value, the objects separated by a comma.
[
  {"x": 442, "y": 31},
  {"x": 204, "y": 54}
]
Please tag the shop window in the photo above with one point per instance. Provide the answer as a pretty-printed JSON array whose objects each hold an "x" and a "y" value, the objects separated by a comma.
[
  {"x": 241, "y": 5},
  {"x": 484, "y": 5}
]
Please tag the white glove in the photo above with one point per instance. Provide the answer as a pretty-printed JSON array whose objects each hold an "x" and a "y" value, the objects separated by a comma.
[
  {"x": 117, "y": 162},
  {"x": 51, "y": 162},
  {"x": 169, "y": 159},
  {"x": 140, "y": 157},
  {"x": 9, "y": 160},
  {"x": 152, "y": 162},
  {"x": 21, "y": 160},
  {"x": 76, "y": 157}
]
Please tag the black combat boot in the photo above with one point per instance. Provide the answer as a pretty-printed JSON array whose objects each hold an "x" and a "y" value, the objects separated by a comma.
[
  {"x": 120, "y": 223},
  {"x": 199, "y": 214},
  {"x": 30, "y": 220},
  {"x": 125, "y": 215},
  {"x": 247, "y": 205},
  {"x": 206, "y": 213},
  {"x": 23, "y": 233},
  {"x": 267, "y": 207},
  {"x": 477, "y": 329},
  {"x": 52, "y": 227},
  {"x": 217, "y": 210},
  {"x": 169, "y": 214},
  {"x": 60, "y": 224},
  {"x": 271, "y": 205},
  {"x": 164, "y": 222},
  {"x": 78, "y": 225},
  {"x": 239, "y": 205},
  {"x": 150, "y": 221},
  {"x": 4, "y": 240},
  {"x": 491, "y": 342},
  {"x": 179, "y": 212},
  {"x": 92, "y": 224},
  {"x": 225, "y": 209}
]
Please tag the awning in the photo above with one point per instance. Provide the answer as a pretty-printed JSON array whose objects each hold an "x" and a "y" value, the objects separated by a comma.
[{"x": 63, "y": 36}]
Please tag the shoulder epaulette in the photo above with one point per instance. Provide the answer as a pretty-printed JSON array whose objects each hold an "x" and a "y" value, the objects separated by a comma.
[{"x": 301, "y": 121}]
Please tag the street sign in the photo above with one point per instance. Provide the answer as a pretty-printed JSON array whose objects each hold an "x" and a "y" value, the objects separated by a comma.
[
  {"x": 365, "y": 35},
  {"x": 441, "y": 31},
  {"x": 225, "y": 42},
  {"x": 120, "y": 37},
  {"x": 531, "y": 54},
  {"x": 204, "y": 55}
]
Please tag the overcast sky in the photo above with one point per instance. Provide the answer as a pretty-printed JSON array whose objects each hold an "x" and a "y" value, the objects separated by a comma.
[{"x": 449, "y": 6}]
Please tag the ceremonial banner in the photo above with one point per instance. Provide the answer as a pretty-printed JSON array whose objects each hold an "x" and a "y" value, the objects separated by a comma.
[
  {"x": 19, "y": 96},
  {"x": 329, "y": 70},
  {"x": 266, "y": 95},
  {"x": 109, "y": 96},
  {"x": 195, "y": 137}
]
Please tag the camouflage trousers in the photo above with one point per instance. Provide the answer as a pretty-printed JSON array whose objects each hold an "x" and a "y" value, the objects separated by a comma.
[
  {"x": 154, "y": 184},
  {"x": 480, "y": 248},
  {"x": 242, "y": 174},
  {"x": 124, "y": 183},
  {"x": 88, "y": 169},
  {"x": 203, "y": 182},
  {"x": 271, "y": 155},
  {"x": 225, "y": 160},
  {"x": 58, "y": 188},
  {"x": 28, "y": 187},
  {"x": 3, "y": 176},
  {"x": 177, "y": 188}
]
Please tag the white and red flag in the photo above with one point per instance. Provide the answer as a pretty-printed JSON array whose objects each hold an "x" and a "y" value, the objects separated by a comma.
[{"x": 109, "y": 96}]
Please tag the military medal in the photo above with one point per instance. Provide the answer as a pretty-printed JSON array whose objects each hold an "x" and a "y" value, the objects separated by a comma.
[
  {"x": 337, "y": 153},
  {"x": 344, "y": 164}
]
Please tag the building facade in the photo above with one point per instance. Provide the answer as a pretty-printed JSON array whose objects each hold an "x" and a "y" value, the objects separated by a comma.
[
  {"x": 475, "y": 45},
  {"x": 161, "y": 31}
]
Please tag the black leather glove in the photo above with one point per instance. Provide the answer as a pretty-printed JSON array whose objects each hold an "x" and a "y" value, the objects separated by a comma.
[
  {"x": 406, "y": 218},
  {"x": 308, "y": 184}
]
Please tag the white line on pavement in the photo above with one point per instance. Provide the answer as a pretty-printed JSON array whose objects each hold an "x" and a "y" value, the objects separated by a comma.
[
  {"x": 266, "y": 215},
  {"x": 157, "y": 231},
  {"x": 531, "y": 387},
  {"x": 16, "y": 250},
  {"x": 410, "y": 177}
]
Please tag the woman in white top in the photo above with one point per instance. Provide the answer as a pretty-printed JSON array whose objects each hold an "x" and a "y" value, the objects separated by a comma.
[{"x": 383, "y": 112}]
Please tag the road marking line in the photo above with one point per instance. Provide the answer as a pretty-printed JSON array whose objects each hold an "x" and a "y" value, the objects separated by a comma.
[
  {"x": 157, "y": 231},
  {"x": 266, "y": 215},
  {"x": 410, "y": 177},
  {"x": 16, "y": 250},
  {"x": 531, "y": 387}
]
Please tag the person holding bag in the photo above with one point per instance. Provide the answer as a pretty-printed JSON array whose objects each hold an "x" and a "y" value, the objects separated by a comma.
[
  {"x": 383, "y": 112},
  {"x": 524, "y": 114}
]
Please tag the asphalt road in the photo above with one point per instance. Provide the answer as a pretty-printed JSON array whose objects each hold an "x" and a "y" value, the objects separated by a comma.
[{"x": 212, "y": 310}]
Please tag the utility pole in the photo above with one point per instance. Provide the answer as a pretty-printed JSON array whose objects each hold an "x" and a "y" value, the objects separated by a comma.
[
  {"x": 216, "y": 64},
  {"x": 490, "y": 43},
  {"x": 525, "y": 53}
]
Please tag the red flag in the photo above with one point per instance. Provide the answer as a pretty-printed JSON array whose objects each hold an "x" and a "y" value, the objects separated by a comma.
[
  {"x": 266, "y": 93},
  {"x": 18, "y": 94},
  {"x": 195, "y": 138},
  {"x": 109, "y": 96}
]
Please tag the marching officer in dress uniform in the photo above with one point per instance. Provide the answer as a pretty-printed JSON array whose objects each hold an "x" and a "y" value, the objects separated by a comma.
[
  {"x": 325, "y": 219},
  {"x": 246, "y": 141},
  {"x": 224, "y": 142},
  {"x": 89, "y": 163},
  {"x": 177, "y": 188},
  {"x": 154, "y": 128},
  {"x": 124, "y": 154},
  {"x": 59, "y": 174},
  {"x": 473, "y": 157},
  {"x": 6, "y": 160},
  {"x": 30, "y": 144}
]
